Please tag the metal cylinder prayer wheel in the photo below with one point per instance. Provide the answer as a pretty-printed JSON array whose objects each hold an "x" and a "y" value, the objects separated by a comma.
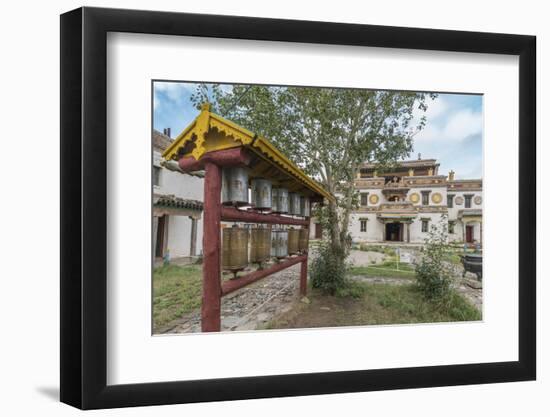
[
  {"x": 279, "y": 243},
  {"x": 235, "y": 186},
  {"x": 234, "y": 248},
  {"x": 293, "y": 240},
  {"x": 294, "y": 204},
  {"x": 282, "y": 200},
  {"x": 303, "y": 242},
  {"x": 305, "y": 206},
  {"x": 260, "y": 244},
  {"x": 261, "y": 193},
  {"x": 274, "y": 200}
]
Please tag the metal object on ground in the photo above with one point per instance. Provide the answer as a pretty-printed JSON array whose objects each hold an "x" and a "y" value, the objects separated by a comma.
[
  {"x": 282, "y": 200},
  {"x": 294, "y": 204},
  {"x": 235, "y": 186},
  {"x": 293, "y": 241},
  {"x": 305, "y": 206},
  {"x": 261, "y": 193},
  {"x": 234, "y": 249},
  {"x": 472, "y": 262},
  {"x": 260, "y": 244},
  {"x": 303, "y": 242},
  {"x": 279, "y": 243}
]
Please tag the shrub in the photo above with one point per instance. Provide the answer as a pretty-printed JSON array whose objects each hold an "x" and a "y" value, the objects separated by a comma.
[
  {"x": 328, "y": 269},
  {"x": 433, "y": 275}
]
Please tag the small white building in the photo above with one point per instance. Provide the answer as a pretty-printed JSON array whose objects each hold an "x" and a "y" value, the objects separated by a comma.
[
  {"x": 400, "y": 205},
  {"x": 177, "y": 205}
]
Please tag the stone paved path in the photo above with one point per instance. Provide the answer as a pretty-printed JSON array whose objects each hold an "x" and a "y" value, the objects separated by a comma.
[{"x": 251, "y": 306}]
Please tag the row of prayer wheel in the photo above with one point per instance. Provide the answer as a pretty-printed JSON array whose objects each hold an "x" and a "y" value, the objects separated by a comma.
[
  {"x": 244, "y": 245},
  {"x": 263, "y": 195}
]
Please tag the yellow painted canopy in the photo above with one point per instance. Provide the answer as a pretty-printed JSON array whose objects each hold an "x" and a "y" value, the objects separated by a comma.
[{"x": 210, "y": 132}]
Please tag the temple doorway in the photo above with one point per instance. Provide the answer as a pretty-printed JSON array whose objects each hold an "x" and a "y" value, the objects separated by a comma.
[
  {"x": 469, "y": 234},
  {"x": 394, "y": 232}
]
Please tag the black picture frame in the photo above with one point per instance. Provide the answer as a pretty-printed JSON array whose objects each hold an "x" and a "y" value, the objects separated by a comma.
[{"x": 84, "y": 207}]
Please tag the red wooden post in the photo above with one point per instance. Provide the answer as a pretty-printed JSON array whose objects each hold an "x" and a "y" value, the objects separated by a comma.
[
  {"x": 211, "y": 274},
  {"x": 303, "y": 278}
]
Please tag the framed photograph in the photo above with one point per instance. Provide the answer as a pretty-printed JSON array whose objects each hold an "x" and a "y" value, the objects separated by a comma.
[{"x": 257, "y": 208}]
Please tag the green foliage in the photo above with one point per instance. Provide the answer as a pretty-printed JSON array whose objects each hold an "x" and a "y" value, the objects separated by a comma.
[
  {"x": 329, "y": 133},
  {"x": 328, "y": 270},
  {"x": 433, "y": 274}
]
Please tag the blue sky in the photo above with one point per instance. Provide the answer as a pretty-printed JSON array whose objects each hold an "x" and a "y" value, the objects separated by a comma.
[{"x": 453, "y": 133}]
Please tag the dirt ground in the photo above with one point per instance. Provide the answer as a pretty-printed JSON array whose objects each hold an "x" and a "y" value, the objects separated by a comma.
[{"x": 274, "y": 302}]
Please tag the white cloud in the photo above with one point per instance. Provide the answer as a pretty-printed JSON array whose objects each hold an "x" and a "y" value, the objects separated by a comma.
[
  {"x": 456, "y": 126},
  {"x": 173, "y": 90},
  {"x": 436, "y": 107}
]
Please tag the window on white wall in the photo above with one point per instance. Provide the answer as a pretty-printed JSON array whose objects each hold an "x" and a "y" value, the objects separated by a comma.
[
  {"x": 467, "y": 201},
  {"x": 363, "y": 225},
  {"x": 424, "y": 226},
  {"x": 450, "y": 199},
  {"x": 364, "y": 199},
  {"x": 156, "y": 175},
  {"x": 425, "y": 198}
]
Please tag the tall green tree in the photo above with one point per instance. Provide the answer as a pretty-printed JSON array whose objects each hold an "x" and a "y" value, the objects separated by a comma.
[{"x": 329, "y": 133}]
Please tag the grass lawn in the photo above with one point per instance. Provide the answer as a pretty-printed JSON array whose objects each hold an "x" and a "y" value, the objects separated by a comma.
[
  {"x": 374, "y": 304},
  {"x": 385, "y": 269},
  {"x": 176, "y": 291}
]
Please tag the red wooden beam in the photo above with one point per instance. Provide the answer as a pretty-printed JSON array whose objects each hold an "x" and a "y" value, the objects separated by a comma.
[
  {"x": 223, "y": 158},
  {"x": 232, "y": 214},
  {"x": 211, "y": 286},
  {"x": 235, "y": 284}
]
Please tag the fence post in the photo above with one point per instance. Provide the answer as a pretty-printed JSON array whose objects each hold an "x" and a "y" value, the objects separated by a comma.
[
  {"x": 211, "y": 273},
  {"x": 303, "y": 278}
]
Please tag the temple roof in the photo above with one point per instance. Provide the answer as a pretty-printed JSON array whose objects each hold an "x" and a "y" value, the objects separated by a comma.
[
  {"x": 413, "y": 163},
  {"x": 171, "y": 201},
  {"x": 160, "y": 141},
  {"x": 211, "y": 132}
]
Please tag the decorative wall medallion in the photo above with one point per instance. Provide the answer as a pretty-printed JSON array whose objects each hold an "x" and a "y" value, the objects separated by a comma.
[
  {"x": 459, "y": 200},
  {"x": 414, "y": 198},
  {"x": 436, "y": 198},
  {"x": 373, "y": 199},
  {"x": 477, "y": 199}
]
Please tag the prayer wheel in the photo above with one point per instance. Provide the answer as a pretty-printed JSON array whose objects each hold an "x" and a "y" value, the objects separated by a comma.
[
  {"x": 293, "y": 241},
  {"x": 303, "y": 240},
  {"x": 305, "y": 207},
  {"x": 234, "y": 249},
  {"x": 261, "y": 193},
  {"x": 282, "y": 200},
  {"x": 274, "y": 200},
  {"x": 260, "y": 244},
  {"x": 235, "y": 186},
  {"x": 294, "y": 204},
  {"x": 279, "y": 243}
]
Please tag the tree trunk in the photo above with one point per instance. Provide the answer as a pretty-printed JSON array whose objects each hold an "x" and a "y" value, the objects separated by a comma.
[{"x": 334, "y": 227}]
